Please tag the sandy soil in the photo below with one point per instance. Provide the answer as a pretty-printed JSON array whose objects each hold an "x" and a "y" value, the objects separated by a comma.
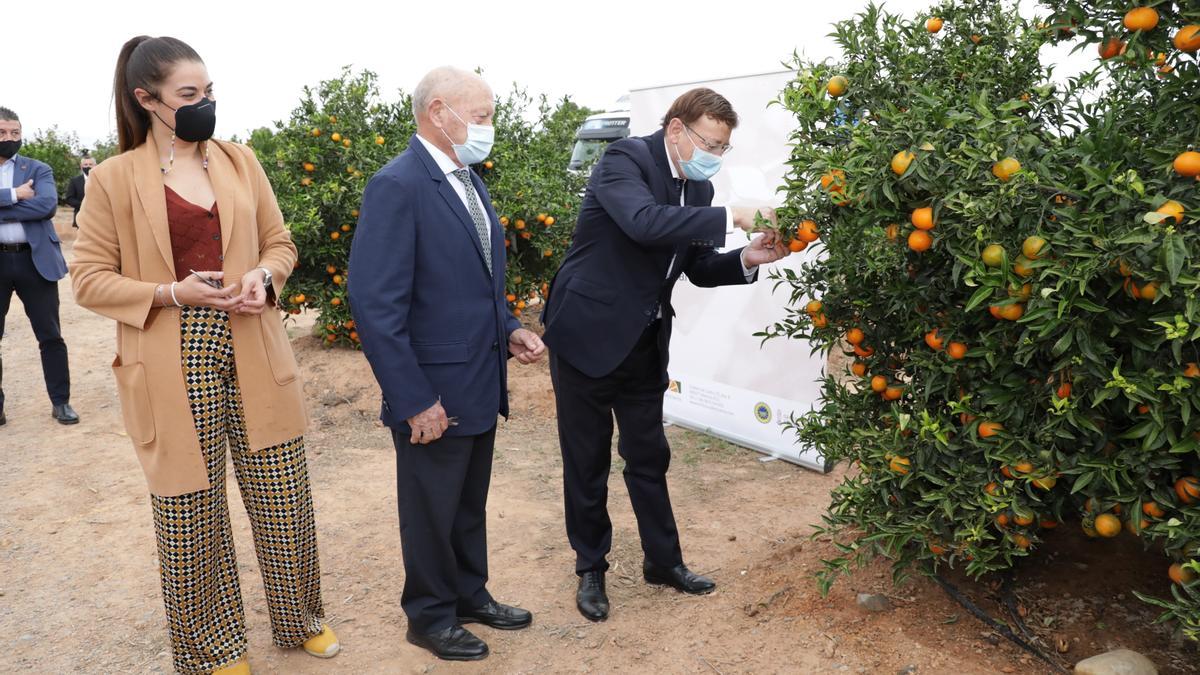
[{"x": 79, "y": 583}]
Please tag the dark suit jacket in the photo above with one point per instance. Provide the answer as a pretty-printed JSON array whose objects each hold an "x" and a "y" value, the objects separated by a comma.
[
  {"x": 614, "y": 276},
  {"x": 432, "y": 320},
  {"x": 74, "y": 197},
  {"x": 37, "y": 215}
]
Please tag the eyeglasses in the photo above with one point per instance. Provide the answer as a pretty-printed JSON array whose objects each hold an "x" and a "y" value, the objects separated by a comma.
[{"x": 714, "y": 148}]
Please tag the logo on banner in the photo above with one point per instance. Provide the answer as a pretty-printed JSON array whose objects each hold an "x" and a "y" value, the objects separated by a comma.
[
  {"x": 762, "y": 412},
  {"x": 675, "y": 387}
]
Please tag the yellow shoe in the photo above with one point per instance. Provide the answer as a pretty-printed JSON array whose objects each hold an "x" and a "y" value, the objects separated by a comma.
[
  {"x": 323, "y": 645},
  {"x": 241, "y": 667}
]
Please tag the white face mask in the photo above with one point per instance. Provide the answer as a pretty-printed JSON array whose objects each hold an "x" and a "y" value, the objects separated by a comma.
[{"x": 479, "y": 141}]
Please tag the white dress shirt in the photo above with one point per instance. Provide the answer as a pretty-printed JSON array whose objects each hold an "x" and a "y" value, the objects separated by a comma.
[
  {"x": 448, "y": 167},
  {"x": 10, "y": 232}
]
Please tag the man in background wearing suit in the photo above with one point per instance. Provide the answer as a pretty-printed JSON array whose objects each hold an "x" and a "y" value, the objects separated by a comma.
[
  {"x": 646, "y": 218},
  {"x": 78, "y": 184},
  {"x": 427, "y": 294},
  {"x": 31, "y": 262}
]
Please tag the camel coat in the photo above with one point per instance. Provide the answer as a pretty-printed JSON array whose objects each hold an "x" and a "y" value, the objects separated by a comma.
[{"x": 124, "y": 251}]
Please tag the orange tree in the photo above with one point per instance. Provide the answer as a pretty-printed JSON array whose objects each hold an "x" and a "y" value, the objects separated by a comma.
[
  {"x": 1011, "y": 265},
  {"x": 343, "y": 130}
]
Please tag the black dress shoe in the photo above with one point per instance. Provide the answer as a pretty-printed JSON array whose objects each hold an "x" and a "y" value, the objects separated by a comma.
[
  {"x": 496, "y": 615},
  {"x": 591, "y": 598},
  {"x": 3, "y": 419},
  {"x": 678, "y": 577},
  {"x": 65, "y": 414},
  {"x": 453, "y": 644}
]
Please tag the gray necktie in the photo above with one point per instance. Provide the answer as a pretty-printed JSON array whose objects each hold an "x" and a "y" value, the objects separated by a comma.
[{"x": 481, "y": 223}]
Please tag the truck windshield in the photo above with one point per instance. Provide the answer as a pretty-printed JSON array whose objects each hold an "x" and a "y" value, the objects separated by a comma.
[{"x": 586, "y": 152}]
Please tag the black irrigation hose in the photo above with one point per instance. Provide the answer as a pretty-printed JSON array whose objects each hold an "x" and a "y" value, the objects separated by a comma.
[
  {"x": 995, "y": 624},
  {"x": 1009, "y": 599}
]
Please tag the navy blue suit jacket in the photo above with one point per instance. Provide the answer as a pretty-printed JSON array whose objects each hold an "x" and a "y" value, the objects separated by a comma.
[
  {"x": 614, "y": 276},
  {"x": 433, "y": 322},
  {"x": 36, "y": 215}
]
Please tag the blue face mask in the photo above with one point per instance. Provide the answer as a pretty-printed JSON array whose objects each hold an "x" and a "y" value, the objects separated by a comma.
[
  {"x": 702, "y": 166},
  {"x": 479, "y": 142}
]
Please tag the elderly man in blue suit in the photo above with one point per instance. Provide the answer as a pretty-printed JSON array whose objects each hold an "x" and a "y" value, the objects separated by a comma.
[
  {"x": 31, "y": 261},
  {"x": 427, "y": 294}
]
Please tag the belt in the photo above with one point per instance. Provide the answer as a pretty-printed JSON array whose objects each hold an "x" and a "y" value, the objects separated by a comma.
[{"x": 13, "y": 248}]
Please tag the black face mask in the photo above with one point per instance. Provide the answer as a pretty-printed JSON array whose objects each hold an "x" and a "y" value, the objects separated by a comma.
[
  {"x": 195, "y": 122},
  {"x": 9, "y": 149},
  {"x": 87, "y": 170}
]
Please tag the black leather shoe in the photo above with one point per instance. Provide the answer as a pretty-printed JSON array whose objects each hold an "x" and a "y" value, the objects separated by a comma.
[
  {"x": 591, "y": 598},
  {"x": 65, "y": 414},
  {"x": 496, "y": 615},
  {"x": 3, "y": 419},
  {"x": 678, "y": 577},
  {"x": 453, "y": 644}
]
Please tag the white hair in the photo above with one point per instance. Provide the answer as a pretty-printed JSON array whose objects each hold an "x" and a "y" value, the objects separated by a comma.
[{"x": 446, "y": 82}]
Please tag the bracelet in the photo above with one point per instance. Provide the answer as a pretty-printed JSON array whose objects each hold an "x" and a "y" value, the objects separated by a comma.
[{"x": 173, "y": 299}]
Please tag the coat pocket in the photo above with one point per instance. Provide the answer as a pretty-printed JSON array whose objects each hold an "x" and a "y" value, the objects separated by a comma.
[
  {"x": 135, "y": 401},
  {"x": 593, "y": 290},
  {"x": 440, "y": 352},
  {"x": 279, "y": 350}
]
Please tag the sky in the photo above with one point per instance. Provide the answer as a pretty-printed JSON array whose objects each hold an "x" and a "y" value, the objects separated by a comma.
[{"x": 261, "y": 54}]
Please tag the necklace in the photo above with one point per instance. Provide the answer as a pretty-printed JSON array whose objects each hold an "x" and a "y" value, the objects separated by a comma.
[{"x": 171, "y": 158}]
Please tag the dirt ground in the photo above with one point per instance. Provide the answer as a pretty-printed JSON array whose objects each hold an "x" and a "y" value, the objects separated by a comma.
[{"x": 79, "y": 583}]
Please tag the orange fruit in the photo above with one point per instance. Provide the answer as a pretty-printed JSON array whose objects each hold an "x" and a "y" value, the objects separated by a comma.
[
  {"x": 1023, "y": 521},
  {"x": 796, "y": 245},
  {"x": 837, "y": 86},
  {"x": 354, "y": 335},
  {"x": 989, "y": 429},
  {"x": 1023, "y": 293},
  {"x": 899, "y": 464},
  {"x": 511, "y": 297},
  {"x": 1150, "y": 291},
  {"x": 1171, "y": 208},
  {"x": 819, "y": 321},
  {"x": 316, "y": 132},
  {"x": 995, "y": 311},
  {"x": 549, "y": 221},
  {"x": 1111, "y": 47},
  {"x": 863, "y": 352},
  {"x": 1153, "y": 510},
  {"x": 1048, "y": 524},
  {"x": 346, "y": 228},
  {"x": 504, "y": 221},
  {"x": 1045, "y": 482},
  {"x": 922, "y": 218},
  {"x": 892, "y": 231},
  {"x": 976, "y": 39},
  {"x": 807, "y": 231},
  {"x": 901, "y": 161},
  {"x": 957, "y": 350},
  {"x": 345, "y": 142},
  {"x": 991, "y": 488},
  {"x": 489, "y": 164},
  {"x": 1012, "y": 312},
  {"x": 934, "y": 24},
  {"x": 878, "y": 383},
  {"x": 520, "y": 224},
  {"x": 1005, "y": 168},
  {"x": 936, "y": 548},
  {"x": 354, "y": 213},
  {"x": 337, "y": 280},
  {"x": 1032, "y": 247},
  {"x": 541, "y": 217},
  {"x": 1188, "y": 38},
  {"x": 920, "y": 241},
  {"x": 814, "y": 307},
  {"x": 1023, "y": 467},
  {"x": 299, "y": 299},
  {"x": 520, "y": 304},
  {"x": 1188, "y": 489},
  {"x": 1002, "y": 520},
  {"x": 1187, "y": 163},
  {"x": 1192, "y": 370},
  {"x": 834, "y": 181},
  {"x": 1141, "y": 18},
  {"x": 310, "y": 167},
  {"x": 935, "y": 343},
  {"x": 330, "y": 269},
  {"x": 858, "y": 368},
  {"x": 335, "y": 235},
  {"x": 526, "y": 235},
  {"x": 548, "y": 253},
  {"x": 893, "y": 393},
  {"x": 379, "y": 141},
  {"x": 1064, "y": 390},
  {"x": 335, "y": 302},
  {"x": 855, "y": 336},
  {"x": 1180, "y": 575},
  {"x": 331, "y": 338},
  {"x": 1107, "y": 525},
  {"x": 993, "y": 255},
  {"x": 1143, "y": 408},
  {"x": 1021, "y": 267},
  {"x": 336, "y": 137},
  {"x": 350, "y": 324}
]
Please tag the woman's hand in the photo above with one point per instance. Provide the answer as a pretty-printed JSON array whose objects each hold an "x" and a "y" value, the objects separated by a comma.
[
  {"x": 193, "y": 292},
  {"x": 253, "y": 299}
]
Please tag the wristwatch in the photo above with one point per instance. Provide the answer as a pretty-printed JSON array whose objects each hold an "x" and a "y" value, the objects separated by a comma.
[{"x": 266, "y": 277}]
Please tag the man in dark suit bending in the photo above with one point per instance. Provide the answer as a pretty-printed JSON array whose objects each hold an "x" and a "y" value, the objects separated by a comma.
[{"x": 645, "y": 220}]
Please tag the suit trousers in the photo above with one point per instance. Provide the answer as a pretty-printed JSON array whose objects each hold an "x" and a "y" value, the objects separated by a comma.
[
  {"x": 442, "y": 491},
  {"x": 586, "y": 407},
  {"x": 40, "y": 298}
]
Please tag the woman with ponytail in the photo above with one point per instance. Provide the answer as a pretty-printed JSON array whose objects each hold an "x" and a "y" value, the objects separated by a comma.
[{"x": 181, "y": 243}]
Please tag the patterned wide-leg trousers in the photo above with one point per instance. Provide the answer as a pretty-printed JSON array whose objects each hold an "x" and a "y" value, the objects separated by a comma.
[{"x": 205, "y": 616}]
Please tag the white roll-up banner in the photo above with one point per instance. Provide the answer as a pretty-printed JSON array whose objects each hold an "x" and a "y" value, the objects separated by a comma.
[{"x": 724, "y": 381}]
